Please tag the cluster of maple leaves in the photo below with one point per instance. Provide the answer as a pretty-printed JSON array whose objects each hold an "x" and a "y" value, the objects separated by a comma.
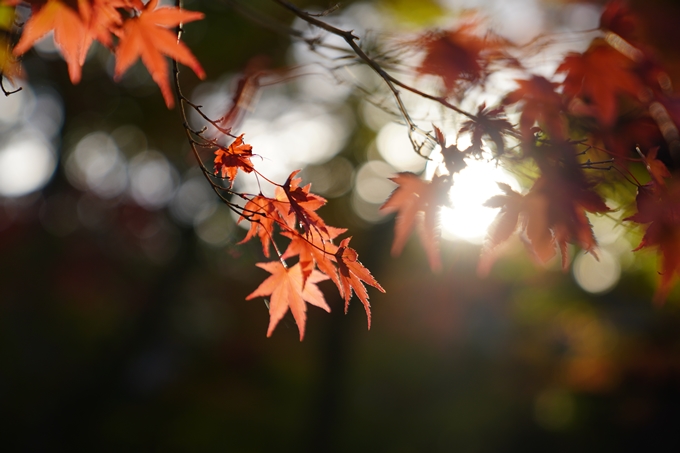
[
  {"x": 133, "y": 30},
  {"x": 614, "y": 100},
  {"x": 130, "y": 28},
  {"x": 292, "y": 213}
]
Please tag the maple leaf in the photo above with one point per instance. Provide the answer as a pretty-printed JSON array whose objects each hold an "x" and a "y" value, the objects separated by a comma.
[
  {"x": 246, "y": 92},
  {"x": 286, "y": 288},
  {"x": 352, "y": 273},
  {"x": 655, "y": 167},
  {"x": 596, "y": 78},
  {"x": 147, "y": 36},
  {"x": 565, "y": 198},
  {"x": 101, "y": 19},
  {"x": 460, "y": 57},
  {"x": 618, "y": 18},
  {"x": 295, "y": 202},
  {"x": 541, "y": 104},
  {"x": 552, "y": 214},
  {"x": 490, "y": 122},
  {"x": 262, "y": 214},
  {"x": 627, "y": 134},
  {"x": 503, "y": 226},
  {"x": 411, "y": 197},
  {"x": 454, "y": 159},
  {"x": 313, "y": 248},
  {"x": 659, "y": 206},
  {"x": 69, "y": 33},
  {"x": 237, "y": 155}
]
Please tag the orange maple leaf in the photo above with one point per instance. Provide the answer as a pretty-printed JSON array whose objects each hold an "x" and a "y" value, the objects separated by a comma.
[
  {"x": 286, "y": 288},
  {"x": 69, "y": 33},
  {"x": 262, "y": 214},
  {"x": 147, "y": 36},
  {"x": 596, "y": 78},
  {"x": 237, "y": 155},
  {"x": 352, "y": 273},
  {"x": 297, "y": 203},
  {"x": 101, "y": 19},
  {"x": 314, "y": 248},
  {"x": 411, "y": 197}
]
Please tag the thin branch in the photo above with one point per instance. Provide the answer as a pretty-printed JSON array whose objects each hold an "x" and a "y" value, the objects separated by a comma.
[
  {"x": 4, "y": 90},
  {"x": 392, "y": 83}
]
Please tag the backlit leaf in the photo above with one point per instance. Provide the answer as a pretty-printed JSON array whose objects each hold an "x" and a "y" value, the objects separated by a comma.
[
  {"x": 147, "y": 37},
  {"x": 352, "y": 273},
  {"x": 287, "y": 291}
]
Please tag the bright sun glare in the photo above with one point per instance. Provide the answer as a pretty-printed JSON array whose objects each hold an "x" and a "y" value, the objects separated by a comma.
[{"x": 468, "y": 218}]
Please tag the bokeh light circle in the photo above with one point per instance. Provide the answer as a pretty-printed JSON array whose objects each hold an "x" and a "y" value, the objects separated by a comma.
[{"x": 27, "y": 163}]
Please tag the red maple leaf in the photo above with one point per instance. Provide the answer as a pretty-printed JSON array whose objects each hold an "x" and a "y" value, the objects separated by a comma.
[
  {"x": 541, "y": 104},
  {"x": 460, "y": 57},
  {"x": 287, "y": 290},
  {"x": 556, "y": 206},
  {"x": 595, "y": 79},
  {"x": 237, "y": 155},
  {"x": 411, "y": 197},
  {"x": 552, "y": 215},
  {"x": 619, "y": 19},
  {"x": 659, "y": 206},
  {"x": 147, "y": 36},
  {"x": 657, "y": 169},
  {"x": 69, "y": 32},
  {"x": 352, "y": 273},
  {"x": 628, "y": 134}
]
